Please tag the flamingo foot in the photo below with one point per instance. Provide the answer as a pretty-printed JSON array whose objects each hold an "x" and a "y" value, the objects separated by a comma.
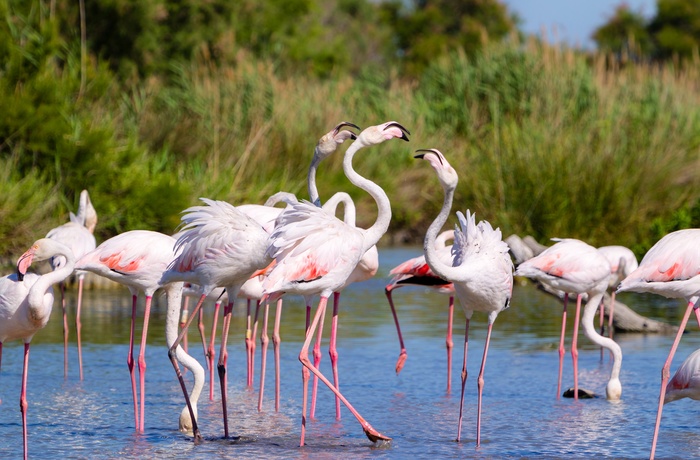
[
  {"x": 374, "y": 435},
  {"x": 401, "y": 361}
]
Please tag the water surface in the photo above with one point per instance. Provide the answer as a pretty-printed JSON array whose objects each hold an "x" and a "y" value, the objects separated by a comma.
[{"x": 521, "y": 415}]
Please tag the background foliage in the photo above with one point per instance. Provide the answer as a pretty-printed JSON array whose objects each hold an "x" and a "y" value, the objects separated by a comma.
[{"x": 174, "y": 100}]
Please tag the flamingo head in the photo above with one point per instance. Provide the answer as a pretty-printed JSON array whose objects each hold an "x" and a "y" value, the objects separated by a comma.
[
  {"x": 446, "y": 173},
  {"x": 380, "y": 133},
  {"x": 613, "y": 391},
  {"x": 331, "y": 140},
  {"x": 186, "y": 425}
]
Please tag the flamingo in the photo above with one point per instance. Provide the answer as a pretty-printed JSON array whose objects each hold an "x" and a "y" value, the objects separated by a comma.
[
  {"x": 26, "y": 300},
  {"x": 417, "y": 272},
  {"x": 481, "y": 270},
  {"x": 685, "y": 383},
  {"x": 315, "y": 253},
  {"x": 221, "y": 246},
  {"x": 78, "y": 236},
  {"x": 137, "y": 260},
  {"x": 671, "y": 268},
  {"x": 573, "y": 266},
  {"x": 622, "y": 262}
]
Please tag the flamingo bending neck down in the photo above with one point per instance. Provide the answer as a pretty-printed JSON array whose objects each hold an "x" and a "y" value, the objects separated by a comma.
[
  {"x": 315, "y": 253},
  {"x": 573, "y": 266},
  {"x": 671, "y": 268},
  {"x": 26, "y": 300},
  {"x": 135, "y": 259},
  {"x": 78, "y": 236},
  {"x": 481, "y": 270}
]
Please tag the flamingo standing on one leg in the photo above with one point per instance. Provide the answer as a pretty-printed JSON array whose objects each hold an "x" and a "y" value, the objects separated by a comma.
[
  {"x": 221, "y": 246},
  {"x": 417, "y": 272},
  {"x": 26, "y": 300},
  {"x": 482, "y": 271},
  {"x": 622, "y": 262},
  {"x": 671, "y": 268},
  {"x": 137, "y": 260},
  {"x": 573, "y": 266},
  {"x": 316, "y": 252},
  {"x": 78, "y": 236}
]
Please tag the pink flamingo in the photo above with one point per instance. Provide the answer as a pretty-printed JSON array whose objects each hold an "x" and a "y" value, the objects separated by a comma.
[
  {"x": 315, "y": 252},
  {"x": 685, "y": 383},
  {"x": 482, "y": 271},
  {"x": 573, "y": 266},
  {"x": 221, "y": 246},
  {"x": 417, "y": 272},
  {"x": 137, "y": 260},
  {"x": 26, "y": 300},
  {"x": 671, "y": 268},
  {"x": 78, "y": 236},
  {"x": 622, "y": 262}
]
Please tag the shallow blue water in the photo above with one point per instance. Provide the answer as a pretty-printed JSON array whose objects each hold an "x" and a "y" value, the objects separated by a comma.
[{"x": 521, "y": 415}]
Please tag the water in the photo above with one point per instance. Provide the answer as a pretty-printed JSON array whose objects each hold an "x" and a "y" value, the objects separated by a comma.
[{"x": 521, "y": 415}]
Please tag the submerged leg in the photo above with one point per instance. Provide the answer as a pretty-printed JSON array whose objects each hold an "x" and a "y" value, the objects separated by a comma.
[
  {"x": 276, "y": 341},
  {"x": 263, "y": 354},
  {"x": 480, "y": 385},
  {"x": 574, "y": 345},
  {"x": 449, "y": 344},
  {"x": 79, "y": 326},
  {"x": 464, "y": 380},
  {"x": 402, "y": 354},
  {"x": 211, "y": 351},
  {"x": 223, "y": 361},
  {"x": 333, "y": 350},
  {"x": 562, "y": 350},
  {"x": 130, "y": 361},
  {"x": 142, "y": 360},
  {"x": 317, "y": 363},
  {"x": 62, "y": 287},
  {"x": 23, "y": 398}
]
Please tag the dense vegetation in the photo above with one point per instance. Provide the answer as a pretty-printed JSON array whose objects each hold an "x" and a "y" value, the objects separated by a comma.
[{"x": 227, "y": 100}]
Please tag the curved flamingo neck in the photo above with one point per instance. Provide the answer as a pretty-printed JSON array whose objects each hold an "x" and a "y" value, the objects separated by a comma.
[
  {"x": 587, "y": 322},
  {"x": 380, "y": 226},
  {"x": 349, "y": 211},
  {"x": 441, "y": 269},
  {"x": 35, "y": 297}
]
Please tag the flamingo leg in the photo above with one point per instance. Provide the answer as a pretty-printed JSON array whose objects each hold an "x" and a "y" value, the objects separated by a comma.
[
  {"x": 248, "y": 338},
  {"x": 78, "y": 325},
  {"x": 176, "y": 366},
  {"x": 449, "y": 344},
  {"x": 23, "y": 398},
  {"x": 263, "y": 354},
  {"x": 62, "y": 287},
  {"x": 562, "y": 350},
  {"x": 480, "y": 385},
  {"x": 276, "y": 340},
  {"x": 252, "y": 342},
  {"x": 223, "y": 360},
  {"x": 403, "y": 354},
  {"x": 666, "y": 373},
  {"x": 211, "y": 351},
  {"x": 372, "y": 434},
  {"x": 574, "y": 344},
  {"x": 130, "y": 361},
  {"x": 333, "y": 350},
  {"x": 317, "y": 363},
  {"x": 464, "y": 380},
  {"x": 184, "y": 314},
  {"x": 142, "y": 361}
]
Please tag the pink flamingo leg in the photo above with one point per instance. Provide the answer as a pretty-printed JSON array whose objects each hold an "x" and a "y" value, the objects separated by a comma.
[
  {"x": 574, "y": 345},
  {"x": 62, "y": 286},
  {"x": 252, "y": 343},
  {"x": 223, "y": 360},
  {"x": 403, "y": 354},
  {"x": 666, "y": 373},
  {"x": 317, "y": 363},
  {"x": 211, "y": 351},
  {"x": 333, "y": 350},
  {"x": 464, "y": 380},
  {"x": 130, "y": 361},
  {"x": 79, "y": 326},
  {"x": 176, "y": 366},
  {"x": 23, "y": 398},
  {"x": 449, "y": 344},
  {"x": 142, "y": 361},
  {"x": 248, "y": 338},
  {"x": 480, "y": 385},
  {"x": 276, "y": 340},
  {"x": 372, "y": 434},
  {"x": 562, "y": 350},
  {"x": 263, "y": 354}
]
